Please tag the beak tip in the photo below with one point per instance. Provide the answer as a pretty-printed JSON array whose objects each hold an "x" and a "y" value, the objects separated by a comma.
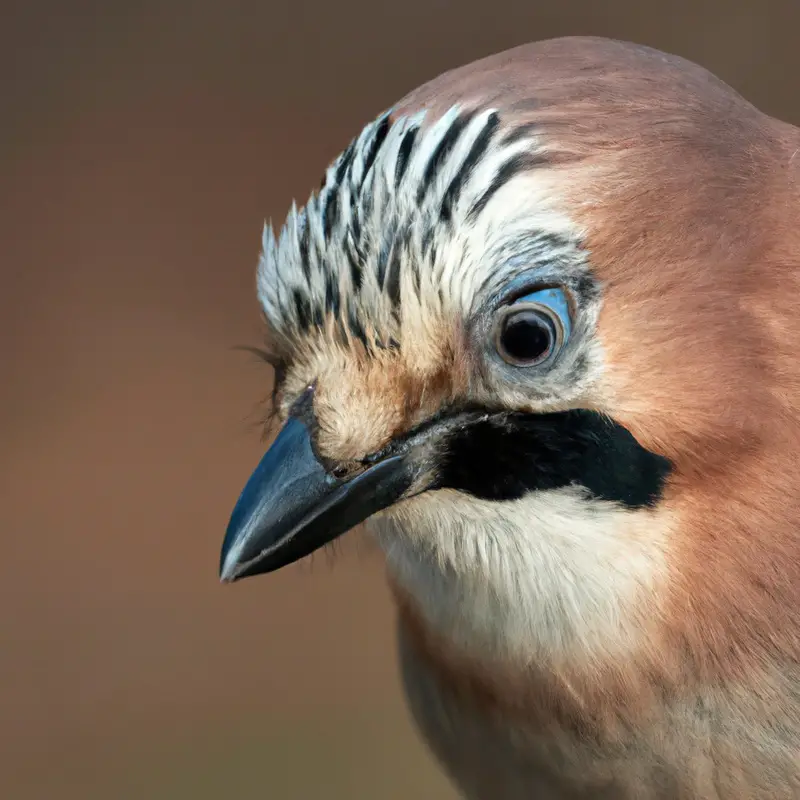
[
  {"x": 228, "y": 565},
  {"x": 292, "y": 506}
]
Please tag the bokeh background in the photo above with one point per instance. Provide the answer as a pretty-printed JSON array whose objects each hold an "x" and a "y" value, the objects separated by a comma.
[{"x": 142, "y": 144}]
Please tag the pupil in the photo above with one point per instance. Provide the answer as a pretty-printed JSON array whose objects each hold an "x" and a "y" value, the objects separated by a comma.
[{"x": 527, "y": 336}]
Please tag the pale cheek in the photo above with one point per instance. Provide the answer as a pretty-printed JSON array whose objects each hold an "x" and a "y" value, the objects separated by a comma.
[{"x": 555, "y": 574}]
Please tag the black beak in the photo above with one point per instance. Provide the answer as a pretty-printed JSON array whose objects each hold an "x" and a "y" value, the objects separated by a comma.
[{"x": 292, "y": 505}]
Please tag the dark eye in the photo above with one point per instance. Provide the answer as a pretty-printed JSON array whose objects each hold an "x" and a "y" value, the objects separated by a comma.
[
  {"x": 533, "y": 329},
  {"x": 525, "y": 337}
]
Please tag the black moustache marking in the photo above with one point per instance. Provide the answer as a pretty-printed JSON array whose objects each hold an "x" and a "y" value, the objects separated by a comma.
[{"x": 505, "y": 456}]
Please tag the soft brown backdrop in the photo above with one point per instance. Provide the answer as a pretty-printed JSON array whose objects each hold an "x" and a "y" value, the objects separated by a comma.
[{"x": 141, "y": 146}]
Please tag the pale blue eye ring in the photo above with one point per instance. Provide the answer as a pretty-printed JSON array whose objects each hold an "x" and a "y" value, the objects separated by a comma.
[
  {"x": 534, "y": 328},
  {"x": 555, "y": 299}
]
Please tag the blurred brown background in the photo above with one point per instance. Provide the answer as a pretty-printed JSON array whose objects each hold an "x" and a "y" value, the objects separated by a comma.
[{"x": 141, "y": 146}]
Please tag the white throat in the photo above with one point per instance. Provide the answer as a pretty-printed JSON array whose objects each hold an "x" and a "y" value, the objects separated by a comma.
[{"x": 554, "y": 575}]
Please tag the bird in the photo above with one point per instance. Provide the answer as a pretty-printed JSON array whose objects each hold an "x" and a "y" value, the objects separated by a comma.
[{"x": 538, "y": 331}]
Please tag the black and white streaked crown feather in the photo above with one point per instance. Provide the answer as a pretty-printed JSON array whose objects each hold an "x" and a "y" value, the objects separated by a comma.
[{"x": 402, "y": 225}]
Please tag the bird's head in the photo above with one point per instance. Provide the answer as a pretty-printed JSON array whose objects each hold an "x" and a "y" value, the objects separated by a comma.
[{"x": 518, "y": 331}]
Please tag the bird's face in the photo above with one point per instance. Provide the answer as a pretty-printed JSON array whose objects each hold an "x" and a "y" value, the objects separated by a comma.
[{"x": 450, "y": 372}]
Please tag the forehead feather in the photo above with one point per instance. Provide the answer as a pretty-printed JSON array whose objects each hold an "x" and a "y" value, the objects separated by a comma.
[{"x": 412, "y": 221}]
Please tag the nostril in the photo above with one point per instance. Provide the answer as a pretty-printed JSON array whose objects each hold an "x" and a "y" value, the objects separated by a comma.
[
  {"x": 303, "y": 406},
  {"x": 340, "y": 471}
]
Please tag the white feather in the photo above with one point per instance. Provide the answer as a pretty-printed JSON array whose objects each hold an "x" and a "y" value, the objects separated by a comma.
[{"x": 554, "y": 575}]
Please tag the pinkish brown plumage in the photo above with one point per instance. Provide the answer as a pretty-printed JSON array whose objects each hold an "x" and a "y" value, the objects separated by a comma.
[{"x": 592, "y": 537}]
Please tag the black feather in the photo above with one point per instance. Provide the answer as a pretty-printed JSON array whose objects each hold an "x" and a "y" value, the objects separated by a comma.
[{"x": 506, "y": 456}]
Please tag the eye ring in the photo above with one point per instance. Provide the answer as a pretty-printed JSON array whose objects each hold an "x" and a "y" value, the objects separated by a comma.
[{"x": 534, "y": 329}]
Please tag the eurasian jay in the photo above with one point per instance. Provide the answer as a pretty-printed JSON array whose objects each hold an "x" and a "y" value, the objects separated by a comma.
[{"x": 539, "y": 330}]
